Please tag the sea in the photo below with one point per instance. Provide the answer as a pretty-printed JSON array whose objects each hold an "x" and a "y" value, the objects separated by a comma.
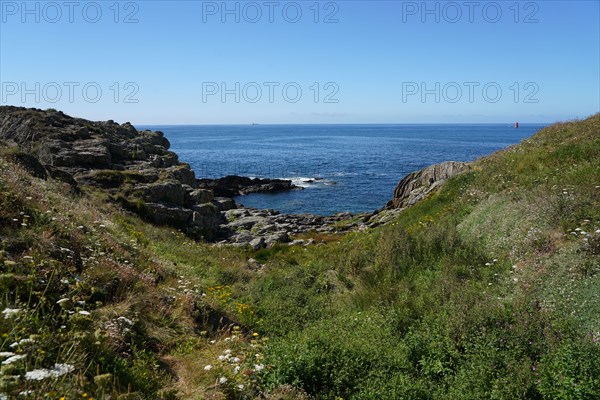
[{"x": 341, "y": 168}]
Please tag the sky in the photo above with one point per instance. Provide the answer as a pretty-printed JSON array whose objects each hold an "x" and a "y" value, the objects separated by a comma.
[{"x": 304, "y": 62}]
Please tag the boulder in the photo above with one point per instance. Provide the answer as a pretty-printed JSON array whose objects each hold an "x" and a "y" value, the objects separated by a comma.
[
  {"x": 415, "y": 186},
  {"x": 31, "y": 164},
  {"x": 257, "y": 244},
  {"x": 224, "y": 203},
  {"x": 200, "y": 196},
  {"x": 167, "y": 192},
  {"x": 164, "y": 215}
]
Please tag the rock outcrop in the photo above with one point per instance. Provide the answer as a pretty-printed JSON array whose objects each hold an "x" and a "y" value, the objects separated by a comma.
[
  {"x": 417, "y": 185},
  {"x": 232, "y": 185},
  {"x": 134, "y": 167}
]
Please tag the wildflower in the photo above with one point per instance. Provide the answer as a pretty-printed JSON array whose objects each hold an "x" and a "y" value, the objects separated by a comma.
[
  {"x": 6, "y": 354},
  {"x": 223, "y": 358},
  {"x": 228, "y": 351},
  {"x": 236, "y": 369},
  {"x": 54, "y": 372},
  {"x": 20, "y": 342},
  {"x": 235, "y": 360},
  {"x": 10, "y": 312},
  {"x": 83, "y": 312},
  {"x": 255, "y": 334},
  {"x": 222, "y": 380},
  {"x": 13, "y": 359},
  {"x": 212, "y": 341},
  {"x": 208, "y": 367},
  {"x": 488, "y": 264},
  {"x": 240, "y": 386},
  {"x": 258, "y": 367}
]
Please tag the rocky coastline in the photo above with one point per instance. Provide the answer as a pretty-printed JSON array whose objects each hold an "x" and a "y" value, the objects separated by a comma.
[{"x": 137, "y": 170}]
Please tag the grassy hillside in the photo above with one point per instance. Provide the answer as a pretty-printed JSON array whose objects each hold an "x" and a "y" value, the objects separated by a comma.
[{"x": 489, "y": 288}]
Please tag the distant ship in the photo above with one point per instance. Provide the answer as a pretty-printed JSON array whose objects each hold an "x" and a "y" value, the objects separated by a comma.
[
  {"x": 254, "y": 123},
  {"x": 517, "y": 124}
]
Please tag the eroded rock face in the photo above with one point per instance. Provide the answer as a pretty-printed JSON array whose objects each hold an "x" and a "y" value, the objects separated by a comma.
[
  {"x": 134, "y": 167},
  {"x": 415, "y": 186}
]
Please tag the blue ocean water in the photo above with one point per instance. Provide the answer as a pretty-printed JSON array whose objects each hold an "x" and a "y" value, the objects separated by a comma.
[{"x": 352, "y": 168}]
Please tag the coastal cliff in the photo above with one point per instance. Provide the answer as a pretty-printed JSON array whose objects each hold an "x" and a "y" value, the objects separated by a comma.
[
  {"x": 137, "y": 170},
  {"x": 134, "y": 168}
]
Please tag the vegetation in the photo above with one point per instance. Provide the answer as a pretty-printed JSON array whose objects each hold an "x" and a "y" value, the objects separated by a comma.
[{"x": 487, "y": 289}]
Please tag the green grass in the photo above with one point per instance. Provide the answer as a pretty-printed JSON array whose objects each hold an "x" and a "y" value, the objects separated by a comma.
[{"x": 487, "y": 289}]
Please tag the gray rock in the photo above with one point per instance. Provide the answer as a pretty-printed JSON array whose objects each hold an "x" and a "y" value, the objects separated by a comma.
[
  {"x": 257, "y": 244},
  {"x": 164, "y": 215},
  {"x": 243, "y": 237},
  {"x": 245, "y": 222},
  {"x": 168, "y": 192},
  {"x": 297, "y": 242},
  {"x": 224, "y": 203},
  {"x": 200, "y": 196},
  {"x": 415, "y": 186}
]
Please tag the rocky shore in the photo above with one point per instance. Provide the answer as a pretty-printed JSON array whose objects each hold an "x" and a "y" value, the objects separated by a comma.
[{"x": 137, "y": 170}]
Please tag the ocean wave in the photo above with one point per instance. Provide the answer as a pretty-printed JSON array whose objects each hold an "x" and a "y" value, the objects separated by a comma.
[{"x": 308, "y": 182}]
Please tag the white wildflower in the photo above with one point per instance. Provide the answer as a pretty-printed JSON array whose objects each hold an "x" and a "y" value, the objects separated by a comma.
[
  {"x": 56, "y": 371},
  {"x": 125, "y": 321},
  {"x": 208, "y": 367},
  {"x": 222, "y": 380},
  {"x": 13, "y": 359},
  {"x": 236, "y": 369},
  {"x": 6, "y": 354},
  {"x": 235, "y": 360},
  {"x": 10, "y": 312},
  {"x": 258, "y": 367},
  {"x": 62, "y": 300},
  {"x": 240, "y": 386},
  {"x": 228, "y": 351},
  {"x": 20, "y": 342},
  {"x": 223, "y": 358},
  {"x": 83, "y": 312}
]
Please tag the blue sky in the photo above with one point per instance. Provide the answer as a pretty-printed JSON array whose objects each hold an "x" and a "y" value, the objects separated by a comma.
[{"x": 204, "y": 62}]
